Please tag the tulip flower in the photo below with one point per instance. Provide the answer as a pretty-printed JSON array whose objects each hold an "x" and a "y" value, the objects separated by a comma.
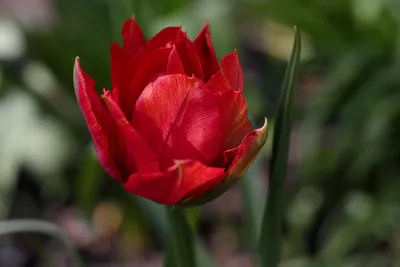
[{"x": 174, "y": 126}]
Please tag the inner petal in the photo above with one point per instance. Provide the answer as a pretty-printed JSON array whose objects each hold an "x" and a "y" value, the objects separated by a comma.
[{"x": 180, "y": 119}]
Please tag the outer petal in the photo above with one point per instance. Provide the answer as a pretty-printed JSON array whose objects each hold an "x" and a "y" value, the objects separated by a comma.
[
  {"x": 176, "y": 108},
  {"x": 206, "y": 52},
  {"x": 97, "y": 118},
  {"x": 235, "y": 118},
  {"x": 246, "y": 153},
  {"x": 230, "y": 76},
  {"x": 134, "y": 39},
  {"x": 169, "y": 187},
  {"x": 138, "y": 157}
]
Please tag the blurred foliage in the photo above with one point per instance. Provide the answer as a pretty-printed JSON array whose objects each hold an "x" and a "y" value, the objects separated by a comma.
[{"x": 342, "y": 194}]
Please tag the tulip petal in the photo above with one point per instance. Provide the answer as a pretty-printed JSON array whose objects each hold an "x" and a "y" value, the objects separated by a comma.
[
  {"x": 206, "y": 52},
  {"x": 245, "y": 154},
  {"x": 118, "y": 64},
  {"x": 248, "y": 151},
  {"x": 186, "y": 49},
  {"x": 97, "y": 118},
  {"x": 138, "y": 157},
  {"x": 170, "y": 186},
  {"x": 165, "y": 36},
  {"x": 189, "y": 57},
  {"x": 176, "y": 107},
  {"x": 133, "y": 39},
  {"x": 230, "y": 76},
  {"x": 174, "y": 65},
  {"x": 158, "y": 62},
  {"x": 154, "y": 65},
  {"x": 235, "y": 119}
]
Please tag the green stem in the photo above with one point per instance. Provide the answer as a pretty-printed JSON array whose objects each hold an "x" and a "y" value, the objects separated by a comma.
[{"x": 181, "y": 239}]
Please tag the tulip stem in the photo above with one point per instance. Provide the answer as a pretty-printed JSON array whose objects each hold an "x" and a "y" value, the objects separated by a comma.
[{"x": 180, "y": 239}]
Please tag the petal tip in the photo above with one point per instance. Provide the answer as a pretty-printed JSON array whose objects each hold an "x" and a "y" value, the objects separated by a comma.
[
  {"x": 77, "y": 64},
  {"x": 77, "y": 73},
  {"x": 263, "y": 131}
]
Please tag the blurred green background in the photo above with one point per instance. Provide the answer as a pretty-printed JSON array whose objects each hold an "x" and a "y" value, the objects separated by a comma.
[{"x": 343, "y": 190}]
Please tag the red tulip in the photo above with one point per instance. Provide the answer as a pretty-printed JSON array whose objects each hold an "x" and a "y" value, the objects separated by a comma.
[{"x": 174, "y": 126}]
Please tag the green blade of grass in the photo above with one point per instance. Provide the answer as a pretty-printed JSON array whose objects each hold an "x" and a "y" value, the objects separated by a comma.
[
  {"x": 45, "y": 228},
  {"x": 271, "y": 232}
]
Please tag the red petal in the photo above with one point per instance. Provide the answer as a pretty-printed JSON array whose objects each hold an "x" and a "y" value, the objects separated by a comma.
[
  {"x": 189, "y": 57},
  {"x": 165, "y": 36},
  {"x": 138, "y": 157},
  {"x": 134, "y": 39},
  {"x": 160, "y": 40},
  {"x": 118, "y": 65},
  {"x": 159, "y": 62},
  {"x": 248, "y": 151},
  {"x": 244, "y": 155},
  {"x": 186, "y": 49},
  {"x": 235, "y": 119},
  {"x": 174, "y": 63},
  {"x": 180, "y": 119},
  {"x": 171, "y": 186},
  {"x": 206, "y": 52},
  {"x": 154, "y": 65},
  {"x": 97, "y": 118},
  {"x": 230, "y": 76}
]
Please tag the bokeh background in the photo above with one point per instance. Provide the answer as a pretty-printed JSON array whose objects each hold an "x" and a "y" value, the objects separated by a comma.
[{"x": 343, "y": 187}]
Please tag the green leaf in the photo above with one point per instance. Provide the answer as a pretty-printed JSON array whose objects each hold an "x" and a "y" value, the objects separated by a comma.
[{"x": 271, "y": 232}]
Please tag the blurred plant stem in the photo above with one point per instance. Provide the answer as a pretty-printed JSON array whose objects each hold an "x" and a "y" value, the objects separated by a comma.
[
  {"x": 271, "y": 232},
  {"x": 156, "y": 215},
  {"x": 180, "y": 239},
  {"x": 44, "y": 228}
]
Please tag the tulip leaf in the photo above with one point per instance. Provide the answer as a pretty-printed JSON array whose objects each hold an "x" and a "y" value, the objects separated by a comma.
[{"x": 271, "y": 232}]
